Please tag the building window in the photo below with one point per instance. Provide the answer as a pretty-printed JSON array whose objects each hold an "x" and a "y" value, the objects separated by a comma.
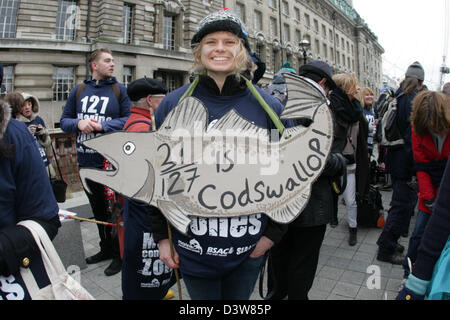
[
  {"x": 325, "y": 51},
  {"x": 257, "y": 22},
  {"x": 298, "y": 36},
  {"x": 260, "y": 51},
  {"x": 172, "y": 80},
  {"x": 307, "y": 20},
  {"x": 8, "y": 80},
  {"x": 66, "y": 19},
  {"x": 273, "y": 4},
  {"x": 127, "y": 23},
  {"x": 240, "y": 11},
  {"x": 316, "y": 26},
  {"x": 8, "y": 18},
  {"x": 286, "y": 33},
  {"x": 275, "y": 61},
  {"x": 285, "y": 8},
  {"x": 62, "y": 83},
  {"x": 128, "y": 75},
  {"x": 324, "y": 31},
  {"x": 317, "y": 46},
  {"x": 273, "y": 28},
  {"x": 297, "y": 14},
  {"x": 169, "y": 32}
]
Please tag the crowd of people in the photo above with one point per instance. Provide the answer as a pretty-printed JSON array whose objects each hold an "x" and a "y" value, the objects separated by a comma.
[{"x": 225, "y": 76}]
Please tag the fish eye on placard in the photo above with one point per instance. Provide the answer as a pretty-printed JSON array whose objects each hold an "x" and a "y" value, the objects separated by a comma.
[{"x": 129, "y": 148}]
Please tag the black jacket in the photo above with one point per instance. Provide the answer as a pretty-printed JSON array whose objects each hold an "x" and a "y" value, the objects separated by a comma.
[
  {"x": 399, "y": 160},
  {"x": 347, "y": 113}
]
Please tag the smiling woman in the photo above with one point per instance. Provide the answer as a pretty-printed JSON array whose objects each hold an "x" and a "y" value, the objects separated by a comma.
[{"x": 223, "y": 70}]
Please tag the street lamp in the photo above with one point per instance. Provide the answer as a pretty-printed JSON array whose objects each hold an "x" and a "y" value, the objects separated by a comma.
[{"x": 304, "y": 45}]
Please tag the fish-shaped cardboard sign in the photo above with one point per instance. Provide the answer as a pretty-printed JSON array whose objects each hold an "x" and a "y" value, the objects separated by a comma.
[{"x": 224, "y": 169}]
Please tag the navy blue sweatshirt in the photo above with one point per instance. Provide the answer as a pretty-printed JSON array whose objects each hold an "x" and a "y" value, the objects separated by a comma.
[
  {"x": 216, "y": 246},
  {"x": 96, "y": 101},
  {"x": 25, "y": 193}
]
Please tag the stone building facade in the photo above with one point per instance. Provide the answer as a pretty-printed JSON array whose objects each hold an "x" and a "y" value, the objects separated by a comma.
[
  {"x": 336, "y": 32},
  {"x": 45, "y": 44}
]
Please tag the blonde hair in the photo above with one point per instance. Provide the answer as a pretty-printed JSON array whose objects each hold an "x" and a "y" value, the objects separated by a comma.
[
  {"x": 243, "y": 61},
  {"x": 364, "y": 91},
  {"x": 431, "y": 112},
  {"x": 347, "y": 82}
]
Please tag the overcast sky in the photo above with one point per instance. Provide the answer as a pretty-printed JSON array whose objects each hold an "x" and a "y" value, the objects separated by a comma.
[{"x": 408, "y": 30}]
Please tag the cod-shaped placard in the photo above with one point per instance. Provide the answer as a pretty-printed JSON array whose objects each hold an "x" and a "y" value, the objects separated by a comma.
[{"x": 227, "y": 168}]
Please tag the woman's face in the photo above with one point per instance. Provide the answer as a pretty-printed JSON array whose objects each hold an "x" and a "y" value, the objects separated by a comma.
[
  {"x": 368, "y": 99},
  {"x": 356, "y": 94},
  {"x": 218, "y": 52},
  {"x": 26, "y": 109}
]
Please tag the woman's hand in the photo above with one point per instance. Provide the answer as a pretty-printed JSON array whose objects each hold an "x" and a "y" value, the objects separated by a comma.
[
  {"x": 263, "y": 245},
  {"x": 166, "y": 256}
]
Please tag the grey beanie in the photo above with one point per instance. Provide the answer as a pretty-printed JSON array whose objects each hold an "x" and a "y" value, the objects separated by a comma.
[
  {"x": 222, "y": 20},
  {"x": 415, "y": 71}
]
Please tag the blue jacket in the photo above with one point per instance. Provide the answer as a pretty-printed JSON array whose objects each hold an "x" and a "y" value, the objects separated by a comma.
[
  {"x": 96, "y": 101},
  {"x": 216, "y": 246},
  {"x": 399, "y": 160},
  {"x": 25, "y": 193}
]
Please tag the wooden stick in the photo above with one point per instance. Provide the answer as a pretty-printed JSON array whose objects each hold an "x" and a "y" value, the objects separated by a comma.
[
  {"x": 172, "y": 252},
  {"x": 87, "y": 220}
]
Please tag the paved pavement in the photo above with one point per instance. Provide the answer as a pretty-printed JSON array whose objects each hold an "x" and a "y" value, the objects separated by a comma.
[{"x": 344, "y": 272}]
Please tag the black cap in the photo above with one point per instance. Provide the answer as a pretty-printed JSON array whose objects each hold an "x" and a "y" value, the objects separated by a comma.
[
  {"x": 141, "y": 88},
  {"x": 320, "y": 68}
]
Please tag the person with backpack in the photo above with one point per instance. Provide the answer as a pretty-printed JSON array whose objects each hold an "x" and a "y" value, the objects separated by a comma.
[
  {"x": 431, "y": 147},
  {"x": 139, "y": 282},
  {"x": 350, "y": 120},
  {"x": 400, "y": 164},
  {"x": 222, "y": 67},
  {"x": 386, "y": 96},
  {"x": 98, "y": 105}
]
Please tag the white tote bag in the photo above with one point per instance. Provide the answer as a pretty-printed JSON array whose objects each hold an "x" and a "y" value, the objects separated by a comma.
[{"x": 62, "y": 286}]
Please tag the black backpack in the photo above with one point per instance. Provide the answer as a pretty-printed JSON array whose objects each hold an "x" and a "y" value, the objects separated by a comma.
[
  {"x": 390, "y": 133},
  {"x": 370, "y": 208},
  {"x": 380, "y": 109}
]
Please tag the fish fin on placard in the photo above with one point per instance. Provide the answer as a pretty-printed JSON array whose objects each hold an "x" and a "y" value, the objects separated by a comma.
[
  {"x": 174, "y": 215},
  {"x": 304, "y": 96},
  {"x": 189, "y": 114},
  {"x": 288, "y": 213},
  {"x": 232, "y": 120}
]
